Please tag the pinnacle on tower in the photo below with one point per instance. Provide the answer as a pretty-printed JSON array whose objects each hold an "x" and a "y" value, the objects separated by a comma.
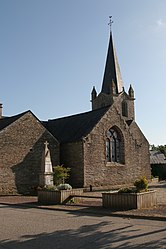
[
  {"x": 131, "y": 91},
  {"x": 93, "y": 94},
  {"x": 1, "y": 108}
]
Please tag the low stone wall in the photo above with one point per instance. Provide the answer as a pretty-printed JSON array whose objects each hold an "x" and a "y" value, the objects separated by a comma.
[
  {"x": 126, "y": 201},
  {"x": 58, "y": 197}
]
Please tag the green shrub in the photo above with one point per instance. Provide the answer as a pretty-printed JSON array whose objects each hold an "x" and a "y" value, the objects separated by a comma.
[
  {"x": 141, "y": 184},
  {"x": 60, "y": 174},
  {"x": 125, "y": 190},
  {"x": 48, "y": 187}
]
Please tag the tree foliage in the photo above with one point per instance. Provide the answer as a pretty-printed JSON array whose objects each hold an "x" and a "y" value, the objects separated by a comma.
[
  {"x": 61, "y": 174},
  {"x": 161, "y": 148}
]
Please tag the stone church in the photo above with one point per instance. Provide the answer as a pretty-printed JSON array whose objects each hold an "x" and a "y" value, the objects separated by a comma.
[{"x": 103, "y": 147}]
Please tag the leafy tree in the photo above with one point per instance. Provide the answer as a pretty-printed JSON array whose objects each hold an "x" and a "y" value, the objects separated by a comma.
[
  {"x": 161, "y": 148},
  {"x": 61, "y": 174}
]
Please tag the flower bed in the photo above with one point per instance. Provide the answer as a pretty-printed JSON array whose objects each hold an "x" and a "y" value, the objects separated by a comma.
[
  {"x": 124, "y": 201},
  {"x": 48, "y": 197}
]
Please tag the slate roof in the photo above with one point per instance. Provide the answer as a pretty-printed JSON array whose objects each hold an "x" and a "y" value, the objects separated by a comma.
[
  {"x": 156, "y": 157},
  {"x": 5, "y": 121},
  {"x": 73, "y": 128}
]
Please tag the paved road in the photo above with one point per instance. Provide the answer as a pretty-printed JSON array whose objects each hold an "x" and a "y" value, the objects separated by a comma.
[{"x": 30, "y": 228}]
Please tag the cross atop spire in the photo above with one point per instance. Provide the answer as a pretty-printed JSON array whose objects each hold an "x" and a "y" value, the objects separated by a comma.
[{"x": 110, "y": 22}]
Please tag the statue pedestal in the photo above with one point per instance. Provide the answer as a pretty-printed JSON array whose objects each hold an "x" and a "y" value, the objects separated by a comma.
[{"x": 46, "y": 179}]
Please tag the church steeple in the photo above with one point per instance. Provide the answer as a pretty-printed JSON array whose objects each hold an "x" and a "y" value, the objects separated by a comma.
[
  {"x": 112, "y": 70},
  {"x": 112, "y": 84}
]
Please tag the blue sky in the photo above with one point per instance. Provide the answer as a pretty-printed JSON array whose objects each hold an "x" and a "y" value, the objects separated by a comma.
[{"x": 52, "y": 52}]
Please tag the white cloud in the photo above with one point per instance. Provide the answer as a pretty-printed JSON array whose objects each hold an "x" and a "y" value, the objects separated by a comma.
[
  {"x": 161, "y": 23},
  {"x": 159, "y": 27}
]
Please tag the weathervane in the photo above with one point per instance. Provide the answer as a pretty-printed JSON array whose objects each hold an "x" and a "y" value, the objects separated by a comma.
[{"x": 110, "y": 22}]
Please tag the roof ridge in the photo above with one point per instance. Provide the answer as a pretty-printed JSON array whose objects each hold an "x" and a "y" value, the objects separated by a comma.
[
  {"x": 6, "y": 121},
  {"x": 75, "y": 127},
  {"x": 16, "y": 115},
  {"x": 79, "y": 114}
]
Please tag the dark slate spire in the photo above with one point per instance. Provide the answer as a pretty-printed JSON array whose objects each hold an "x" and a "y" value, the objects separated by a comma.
[
  {"x": 112, "y": 70},
  {"x": 93, "y": 94}
]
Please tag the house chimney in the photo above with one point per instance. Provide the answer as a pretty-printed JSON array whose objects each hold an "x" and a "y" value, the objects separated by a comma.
[{"x": 1, "y": 110}]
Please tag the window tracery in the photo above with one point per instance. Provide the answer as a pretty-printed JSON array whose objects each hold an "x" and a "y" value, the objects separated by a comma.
[{"x": 114, "y": 146}]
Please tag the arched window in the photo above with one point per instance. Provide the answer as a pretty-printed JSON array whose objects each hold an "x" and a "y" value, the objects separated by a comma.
[
  {"x": 108, "y": 151},
  {"x": 114, "y": 146},
  {"x": 124, "y": 109}
]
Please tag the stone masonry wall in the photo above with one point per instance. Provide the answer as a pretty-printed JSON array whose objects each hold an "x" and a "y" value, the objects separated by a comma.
[
  {"x": 21, "y": 146},
  {"x": 99, "y": 172},
  {"x": 71, "y": 155},
  {"x": 102, "y": 100}
]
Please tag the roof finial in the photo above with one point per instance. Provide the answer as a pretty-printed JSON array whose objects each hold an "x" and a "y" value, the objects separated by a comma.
[{"x": 110, "y": 22}]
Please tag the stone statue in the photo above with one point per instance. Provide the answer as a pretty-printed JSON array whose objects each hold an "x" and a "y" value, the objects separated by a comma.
[
  {"x": 47, "y": 159},
  {"x": 46, "y": 175}
]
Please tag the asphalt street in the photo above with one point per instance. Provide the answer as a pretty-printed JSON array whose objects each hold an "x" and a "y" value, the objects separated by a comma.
[{"x": 30, "y": 228}]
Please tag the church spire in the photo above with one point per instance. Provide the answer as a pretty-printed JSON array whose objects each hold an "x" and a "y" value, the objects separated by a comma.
[{"x": 112, "y": 69}]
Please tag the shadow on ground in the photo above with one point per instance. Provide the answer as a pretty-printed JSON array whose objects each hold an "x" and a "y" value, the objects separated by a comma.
[{"x": 100, "y": 235}]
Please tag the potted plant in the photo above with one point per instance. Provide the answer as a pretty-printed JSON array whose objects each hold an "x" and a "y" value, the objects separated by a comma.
[
  {"x": 61, "y": 174},
  {"x": 61, "y": 192},
  {"x": 137, "y": 197}
]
